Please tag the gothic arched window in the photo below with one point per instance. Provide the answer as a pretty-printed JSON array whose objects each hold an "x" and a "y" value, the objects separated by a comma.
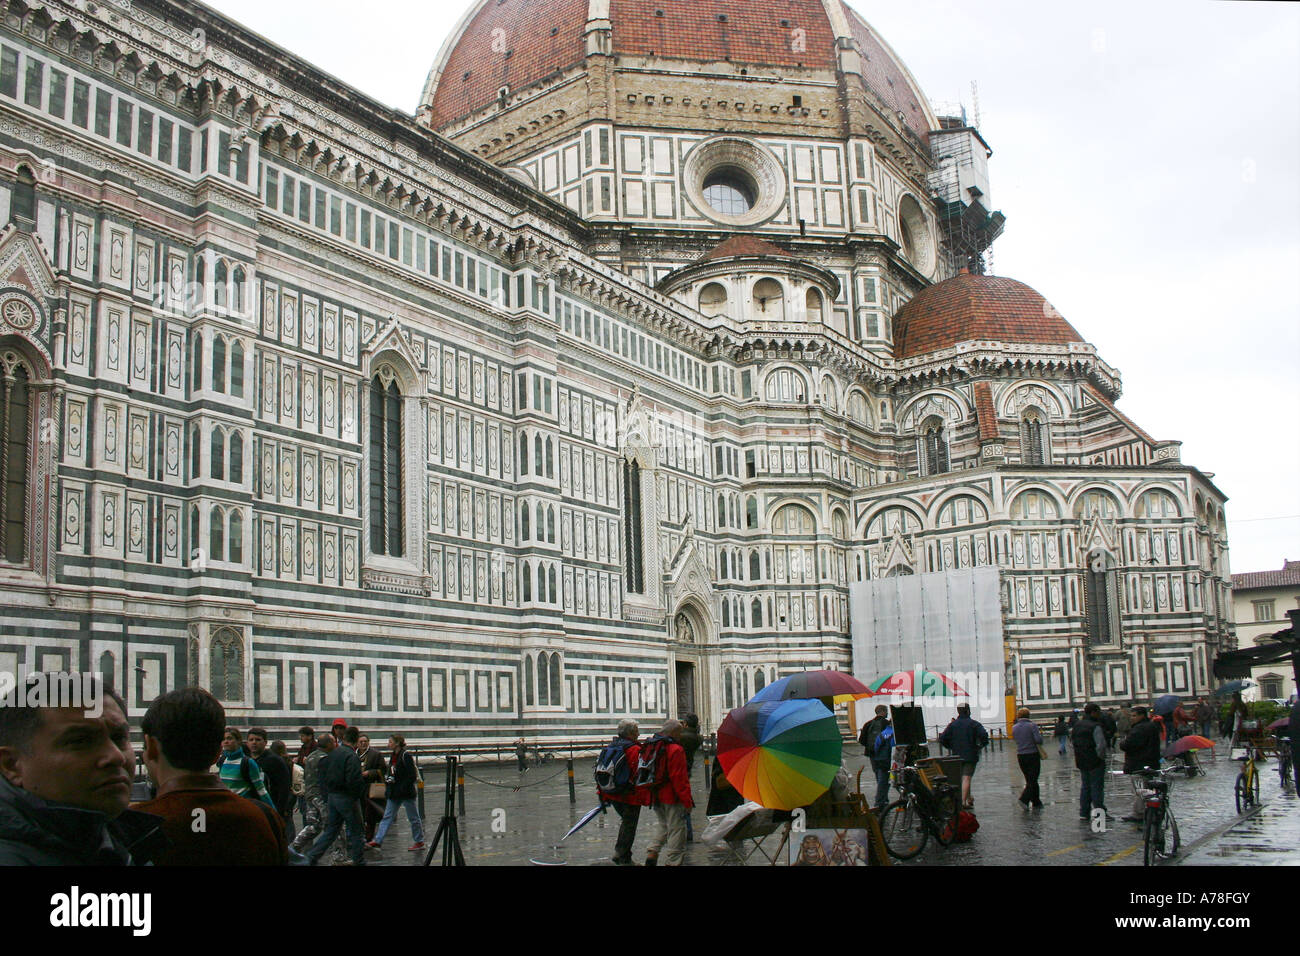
[
  {"x": 236, "y": 369},
  {"x": 218, "y": 462},
  {"x": 1033, "y": 438},
  {"x": 235, "y": 459},
  {"x": 1101, "y": 599},
  {"x": 386, "y": 472},
  {"x": 227, "y": 671},
  {"x": 934, "y": 448},
  {"x": 632, "y": 527},
  {"x": 529, "y": 699},
  {"x": 543, "y": 680},
  {"x": 15, "y": 454},
  {"x": 218, "y": 363},
  {"x": 556, "y": 699},
  {"x": 235, "y": 538},
  {"x": 217, "y": 535}
]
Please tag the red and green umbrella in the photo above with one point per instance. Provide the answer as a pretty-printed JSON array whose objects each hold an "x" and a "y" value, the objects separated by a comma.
[
  {"x": 916, "y": 683},
  {"x": 827, "y": 686},
  {"x": 781, "y": 754}
]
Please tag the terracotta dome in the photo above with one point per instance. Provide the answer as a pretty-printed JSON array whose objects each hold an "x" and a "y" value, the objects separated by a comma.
[
  {"x": 970, "y": 308},
  {"x": 518, "y": 43}
]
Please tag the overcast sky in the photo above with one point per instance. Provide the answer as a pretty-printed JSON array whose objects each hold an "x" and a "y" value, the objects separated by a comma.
[{"x": 1147, "y": 158}]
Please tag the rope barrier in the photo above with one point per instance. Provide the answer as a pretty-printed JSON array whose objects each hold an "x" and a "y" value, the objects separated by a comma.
[{"x": 514, "y": 788}]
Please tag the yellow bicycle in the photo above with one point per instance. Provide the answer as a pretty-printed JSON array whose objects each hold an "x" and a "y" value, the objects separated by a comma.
[{"x": 1247, "y": 786}]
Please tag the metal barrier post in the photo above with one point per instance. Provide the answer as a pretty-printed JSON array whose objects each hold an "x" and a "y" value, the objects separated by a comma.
[
  {"x": 573, "y": 794},
  {"x": 460, "y": 783}
]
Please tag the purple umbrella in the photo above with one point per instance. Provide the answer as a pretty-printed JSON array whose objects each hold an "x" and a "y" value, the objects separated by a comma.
[{"x": 1280, "y": 723}]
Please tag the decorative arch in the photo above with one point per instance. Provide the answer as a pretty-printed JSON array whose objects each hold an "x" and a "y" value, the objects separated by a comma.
[
  {"x": 792, "y": 510},
  {"x": 785, "y": 384},
  {"x": 1036, "y": 393},
  {"x": 1029, "y": 502},
  {"x": 830, "y": 393},
  {"x": 1105, "y": 500},
  {"x": 857, "y": 406},
  {"x": 979, "y": 508},
  {"x": 949, "y": 406}
]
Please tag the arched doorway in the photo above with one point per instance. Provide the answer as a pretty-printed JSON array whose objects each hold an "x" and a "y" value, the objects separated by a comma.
[{"x": 689, "y": 636}]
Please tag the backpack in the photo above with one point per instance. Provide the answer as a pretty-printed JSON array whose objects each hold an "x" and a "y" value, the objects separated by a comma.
[
  {"x": 966, "y": 827},
  {"x": 652, "y": 765},
  {"x": 883, "y": 747},
  {"x": 613, "y": 775}
]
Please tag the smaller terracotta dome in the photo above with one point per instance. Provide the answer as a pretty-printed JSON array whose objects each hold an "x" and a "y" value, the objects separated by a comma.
[
  {"x": 747, "y": 247},
  {"x": 971, "y": 308}
]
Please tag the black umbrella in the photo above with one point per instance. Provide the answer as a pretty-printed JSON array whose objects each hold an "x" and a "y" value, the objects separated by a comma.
[
  {"x": 1164, "y": 706},
  {"x": 1233, "y": 687}
]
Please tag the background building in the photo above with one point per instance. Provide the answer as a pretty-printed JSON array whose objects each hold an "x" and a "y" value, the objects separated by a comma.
[
  {"x": 1260, "y": 600},
  {"x": 593, "y": 402}
]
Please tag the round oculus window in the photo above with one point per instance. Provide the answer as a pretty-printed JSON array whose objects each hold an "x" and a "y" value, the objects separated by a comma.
[
  {"x": 734, "y": 181},
  {"x": 729, "y": 191}
]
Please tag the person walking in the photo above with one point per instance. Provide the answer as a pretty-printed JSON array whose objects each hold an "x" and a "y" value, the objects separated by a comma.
[
  {"x": 1029, "y": 747},
  {"x": 1204, "y": 717},
  {"x": 1089, "y": 741},
  {"x": 373, "y": 771},
  {"x": 316, "y": 809},
  {"x": 669, "y": 792},
  {"x": 691, "y": 741},
  {"x": 615, "y": 772},
  {"x": 965, "y": 737},
  {"x": 400, "y": 793},
  {"x": 871, "y": 732},
  {"x": 1061, "y": 732},
  {"x": 341, "y": 780},
  {"x": 1141, "y": 750}
]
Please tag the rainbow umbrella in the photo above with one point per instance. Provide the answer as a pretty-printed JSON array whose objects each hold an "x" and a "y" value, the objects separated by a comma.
[
  {"x": 781, "y": 754},
  {"x": 827, "y": 686},
  {"x": 905, "y": 684}
]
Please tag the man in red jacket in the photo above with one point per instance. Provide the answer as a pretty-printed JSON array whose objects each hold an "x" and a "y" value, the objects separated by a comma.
[
  {"x": 626, "y": 803},
  {"x": 670, "y": 795}
]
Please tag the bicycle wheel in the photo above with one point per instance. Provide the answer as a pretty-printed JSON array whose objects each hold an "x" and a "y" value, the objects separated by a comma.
[
  {"x": 1149, "y": 837},
  {"x": 1254, "y": 788},
  {"x": 944, "y": 823},
  {"x": 1173, "y": 839},
  {"x": 905, "y": 835},
  {"x": 1284, "y": 770},
  {"x": 1241, "y": 793}
]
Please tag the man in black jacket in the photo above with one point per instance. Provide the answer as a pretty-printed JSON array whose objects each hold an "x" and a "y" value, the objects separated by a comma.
[
  {"x": 65, "y": 783},
  {"x": 870, "y": 731},
  {"x": 279, "y": 778},
  {"x": 1089, "y": 740},
  {"x": 340, "y": 776},
  {"x": 1141, "y": 749}
]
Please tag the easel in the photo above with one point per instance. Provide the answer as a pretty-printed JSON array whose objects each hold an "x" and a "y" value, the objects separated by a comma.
[{"x": 451, "y": 853}]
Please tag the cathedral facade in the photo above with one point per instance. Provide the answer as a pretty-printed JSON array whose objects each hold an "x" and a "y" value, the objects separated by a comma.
[{"x": 586, "y": 392}]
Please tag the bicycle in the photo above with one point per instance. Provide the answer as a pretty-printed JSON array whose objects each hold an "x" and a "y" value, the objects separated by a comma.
[
  {"x": 1160, "y": 837},
  {"x": 923, "y": 810},
  {"x": 1284, "y": 758},
  {"x": 1246, "y": 788}
]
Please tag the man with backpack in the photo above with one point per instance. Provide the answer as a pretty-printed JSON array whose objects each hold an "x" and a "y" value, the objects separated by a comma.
[
  {"x": 615, "y": 769},
  {"x": 240, "y": 772},
  {"x": 661, "y": 776},
  {"x": 872, "y": 731}
]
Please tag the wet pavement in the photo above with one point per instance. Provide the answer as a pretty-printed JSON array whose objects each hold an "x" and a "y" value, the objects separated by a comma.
[{"x": 515, "y": 819}]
